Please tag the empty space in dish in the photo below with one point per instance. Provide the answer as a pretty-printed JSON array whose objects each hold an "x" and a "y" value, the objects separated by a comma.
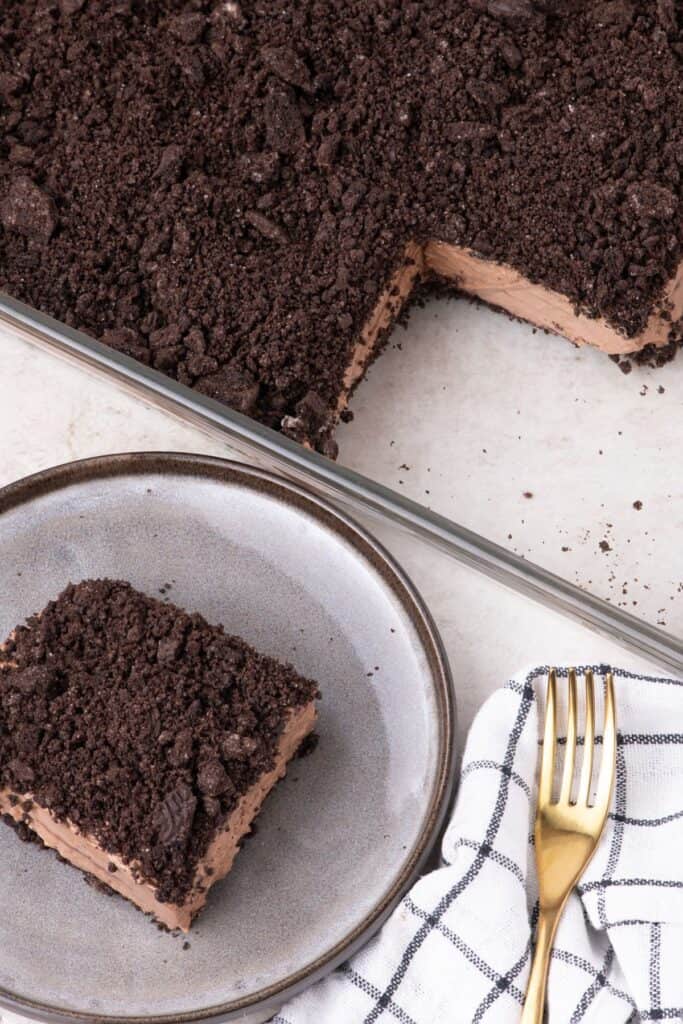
[{"x": 545, "y": 448}]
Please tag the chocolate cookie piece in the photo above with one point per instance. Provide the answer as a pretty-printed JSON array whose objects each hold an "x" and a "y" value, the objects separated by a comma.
[{"x": 28, "y": 210}]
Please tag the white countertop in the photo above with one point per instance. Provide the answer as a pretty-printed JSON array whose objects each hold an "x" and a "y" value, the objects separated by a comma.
[{"x": 567, "y": 428}]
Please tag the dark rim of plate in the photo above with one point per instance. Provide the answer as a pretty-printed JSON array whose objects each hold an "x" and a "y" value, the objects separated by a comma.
[{"x": 295, "y": 495}]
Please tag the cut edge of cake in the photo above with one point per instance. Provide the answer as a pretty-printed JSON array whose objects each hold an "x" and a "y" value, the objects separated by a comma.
[{"x": 503, "y": 288}]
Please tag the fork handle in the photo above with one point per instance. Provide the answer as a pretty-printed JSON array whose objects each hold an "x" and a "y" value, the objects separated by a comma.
[{"x": 534, "y": 1004}]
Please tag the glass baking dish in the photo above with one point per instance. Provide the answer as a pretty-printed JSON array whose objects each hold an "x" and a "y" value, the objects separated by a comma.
[{"x": 347, "y": 487}]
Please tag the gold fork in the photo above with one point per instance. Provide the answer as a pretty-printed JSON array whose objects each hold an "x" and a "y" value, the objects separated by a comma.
[{"x": 567, "y": 832}]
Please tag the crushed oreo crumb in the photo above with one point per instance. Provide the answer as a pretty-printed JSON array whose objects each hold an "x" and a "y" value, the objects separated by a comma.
[{"x": 308, "y": 745}]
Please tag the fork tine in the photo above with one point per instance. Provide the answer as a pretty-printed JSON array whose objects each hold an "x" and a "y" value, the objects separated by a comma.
[
  {"x": 583, "y": 793},
  {"x": 609, "y": 749},
  {"x": 570, "y": 752},
  {"x": 545, "y": 783}
]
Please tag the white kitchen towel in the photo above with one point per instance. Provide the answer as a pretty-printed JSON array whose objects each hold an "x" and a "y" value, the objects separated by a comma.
[{"x": 457, "y": 948}]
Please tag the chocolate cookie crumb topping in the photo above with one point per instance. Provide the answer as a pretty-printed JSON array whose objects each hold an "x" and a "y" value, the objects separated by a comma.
[{"x": 223, "y": 191}]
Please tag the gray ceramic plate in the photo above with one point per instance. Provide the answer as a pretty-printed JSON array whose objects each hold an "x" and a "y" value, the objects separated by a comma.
[{"x": 345, "y": 833}]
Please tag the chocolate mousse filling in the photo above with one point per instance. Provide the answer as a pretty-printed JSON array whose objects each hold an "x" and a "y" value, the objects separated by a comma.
[
  {"x": 139, "y": 742},
  {"x": 242, "y": 195}
]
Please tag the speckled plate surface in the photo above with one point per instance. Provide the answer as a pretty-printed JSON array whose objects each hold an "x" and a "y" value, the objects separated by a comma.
[{"x": 340, "y": 839}]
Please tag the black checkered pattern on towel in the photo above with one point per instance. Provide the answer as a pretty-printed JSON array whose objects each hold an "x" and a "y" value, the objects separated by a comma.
[{"x": 458, "y": 946}]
